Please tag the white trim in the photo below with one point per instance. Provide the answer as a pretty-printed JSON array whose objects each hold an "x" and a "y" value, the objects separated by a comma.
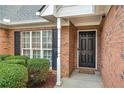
[
  {"x": 41, "y": 50},
  {"x": 87, "y": 23},
  {"x": 21, "y": 44},
  {"x": 93, "y": 9},
  {"x": 78, "y": 47},
  {"x": 44, "y": 9}
]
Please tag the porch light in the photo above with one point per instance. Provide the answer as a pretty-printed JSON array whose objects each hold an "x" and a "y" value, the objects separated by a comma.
[{"x": 6, "y": 20}]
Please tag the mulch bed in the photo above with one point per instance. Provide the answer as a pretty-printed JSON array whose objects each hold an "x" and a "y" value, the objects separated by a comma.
[{"x": 50, "y": 83}]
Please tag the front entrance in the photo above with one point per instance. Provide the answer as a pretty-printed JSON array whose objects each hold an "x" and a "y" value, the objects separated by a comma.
[{"x": 87, "y": 49}]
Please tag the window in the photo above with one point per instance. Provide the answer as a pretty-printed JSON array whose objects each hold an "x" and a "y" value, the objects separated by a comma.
[
  {"x": 26, "y": 52},
  {"x": 36, "y": 54},
  {"x": 47, "y": 39},
  {"x": 36, "y": 40},
  {"x": 37, "y": 44},
  {"x": 26, "y": 40},
  {"x": 48, "y": 54}
]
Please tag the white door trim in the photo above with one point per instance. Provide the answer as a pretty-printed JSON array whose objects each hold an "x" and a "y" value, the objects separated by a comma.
[{"x": 78, "y": 47}]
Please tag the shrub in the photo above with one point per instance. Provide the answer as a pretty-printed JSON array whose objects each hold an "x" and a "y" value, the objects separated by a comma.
[
  {"x": 38, "y": 70},
  {"x": 18, "y": 57},
  {"x": 4, "y": 56},
  {"x": 16, "y": 61},
  {"x": 13, "y": 76}
]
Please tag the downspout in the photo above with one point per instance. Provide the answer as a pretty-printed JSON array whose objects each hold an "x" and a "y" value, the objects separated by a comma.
[{"x": 58, "y": 54}]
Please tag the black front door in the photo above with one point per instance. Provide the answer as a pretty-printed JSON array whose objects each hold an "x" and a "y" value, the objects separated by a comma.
[{"x": 87, "y": 49}]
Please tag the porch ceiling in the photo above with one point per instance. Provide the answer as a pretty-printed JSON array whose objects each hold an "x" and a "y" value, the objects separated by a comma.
[{"x": 86, "y": 20}]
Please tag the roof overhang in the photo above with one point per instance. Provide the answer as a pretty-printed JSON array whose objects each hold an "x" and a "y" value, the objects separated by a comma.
[
  {"x": 51, "y": 13},
  {"x": 78, "y": 14},
  {"x": 26, "y": 25}
]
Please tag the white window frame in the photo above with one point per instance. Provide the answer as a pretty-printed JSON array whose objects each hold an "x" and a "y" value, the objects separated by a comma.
[{"x": 31, "y": 49}]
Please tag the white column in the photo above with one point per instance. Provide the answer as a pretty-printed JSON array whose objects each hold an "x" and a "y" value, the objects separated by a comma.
[{"x": 58, "y": 55}]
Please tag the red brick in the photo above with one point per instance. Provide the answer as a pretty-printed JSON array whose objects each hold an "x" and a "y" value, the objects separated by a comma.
[{"x": 112, "y": 39}]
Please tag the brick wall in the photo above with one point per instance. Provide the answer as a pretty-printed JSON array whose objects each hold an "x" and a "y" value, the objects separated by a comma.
[
  {"x": 72, "y": 48},
  {"x": 112, "y": 48},
  {"x": 11, "y": 42},
  {"x": 65, "y": 51},
  {"x": 3, "y": 41},
  {"x": 68, "y": 49}
]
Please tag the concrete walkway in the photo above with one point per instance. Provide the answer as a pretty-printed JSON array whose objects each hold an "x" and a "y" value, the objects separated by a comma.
[{"x": 80, "y": 80}]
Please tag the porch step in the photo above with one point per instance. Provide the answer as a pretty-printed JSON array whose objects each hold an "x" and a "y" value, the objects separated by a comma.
[{"x": 87, "y": 70}]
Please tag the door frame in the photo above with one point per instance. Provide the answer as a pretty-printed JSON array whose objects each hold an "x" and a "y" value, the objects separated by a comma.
[{"x": 78, "y": 47}]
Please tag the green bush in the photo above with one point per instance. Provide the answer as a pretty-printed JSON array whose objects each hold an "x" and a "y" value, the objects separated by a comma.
[
  {"x": 13, "y": 76},
  {"x": 38, "y": 70},
  {"x": 18, "y": 57},
  {"x": 16, "y": 61},
  {"x": 4, "y": 56}
]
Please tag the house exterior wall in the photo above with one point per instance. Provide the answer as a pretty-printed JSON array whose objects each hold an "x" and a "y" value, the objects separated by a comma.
[
  {"x": 64, "y": 56},
  {"x": 72, "y": 48},
  {"x": 11, "y": 42},
  {"x": 68, "y": 45},
  {"x": 68, "y": 49},
  {"x": 4, "y": 41},
  {"x": 112, "y": 48}
]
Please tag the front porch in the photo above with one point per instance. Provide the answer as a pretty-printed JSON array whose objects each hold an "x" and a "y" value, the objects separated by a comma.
[
  {"x": 74, "y": 54},
  {"x": 81, "y": 80}
]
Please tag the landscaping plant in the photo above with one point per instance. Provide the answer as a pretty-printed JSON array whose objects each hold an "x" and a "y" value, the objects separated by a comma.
[
  {"x": 38, "y": 70},
  {"x": 18, "y": 58},
  {"x": 4, "y": 56},
  {"x": 13, "y": 76},
  {"x": 16, "y": 61}
]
